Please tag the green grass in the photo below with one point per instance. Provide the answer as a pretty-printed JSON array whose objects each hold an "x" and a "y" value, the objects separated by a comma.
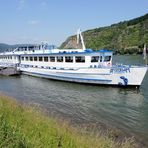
[{"x": 26, "y": 127}]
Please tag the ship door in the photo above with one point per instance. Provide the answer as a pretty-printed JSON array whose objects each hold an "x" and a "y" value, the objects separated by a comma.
[
  {"x": 19, "y": 60},
  {"x": 100, "y": 61}
]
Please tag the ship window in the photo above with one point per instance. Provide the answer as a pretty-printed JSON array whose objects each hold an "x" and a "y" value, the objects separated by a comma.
[
  {"x": 31, "y": 58},
  {"x": 52, "y": 59},
  {"x": 26, "y": 58},
  {"x": 40, "y": 58},
  {"x": 69, "y": 59},
  {"x": 107, "y": 58},
  {"x": 35, "y": 58},
  {"x": 94, "y": 59},
  {"x": 59, "y": 59},
  {"x": 101, "y": 59},
  {"x": 22, "y": 58},
  {"x": 46, "y": 59},
  {"x": 80, "y": 59}
]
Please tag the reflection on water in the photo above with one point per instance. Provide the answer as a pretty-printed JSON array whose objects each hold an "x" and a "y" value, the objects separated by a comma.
[{"x": 123, "y": 108}]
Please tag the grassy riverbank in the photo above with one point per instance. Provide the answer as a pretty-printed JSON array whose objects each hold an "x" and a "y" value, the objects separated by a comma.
[{"x": 23, "y": 126}]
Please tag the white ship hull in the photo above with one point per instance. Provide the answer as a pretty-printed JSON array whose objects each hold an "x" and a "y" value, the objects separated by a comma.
[{"x": 123, "y": 76}]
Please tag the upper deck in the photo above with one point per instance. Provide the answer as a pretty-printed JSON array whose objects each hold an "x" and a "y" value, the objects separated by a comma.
[
  {"x": 44, "y": 54},
  {"x": 38, "y": 55},
  {"x": 51, "y": 50}
]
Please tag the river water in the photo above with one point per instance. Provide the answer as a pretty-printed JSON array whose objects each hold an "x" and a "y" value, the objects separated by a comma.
[{"x": 123, "y": 108}]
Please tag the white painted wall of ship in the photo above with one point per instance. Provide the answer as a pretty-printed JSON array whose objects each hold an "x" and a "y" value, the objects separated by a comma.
[{"x": 92, "y": 76}]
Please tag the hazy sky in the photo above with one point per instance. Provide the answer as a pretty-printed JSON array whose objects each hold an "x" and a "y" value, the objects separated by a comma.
[{"x": 34, "y": 21}]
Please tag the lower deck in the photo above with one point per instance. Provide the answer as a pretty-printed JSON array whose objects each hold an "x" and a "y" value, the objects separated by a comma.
[{"x": 107, "y": 75}]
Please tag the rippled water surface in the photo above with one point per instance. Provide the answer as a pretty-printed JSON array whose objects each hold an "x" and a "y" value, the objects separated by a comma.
[{"x": 119, "y": 107}]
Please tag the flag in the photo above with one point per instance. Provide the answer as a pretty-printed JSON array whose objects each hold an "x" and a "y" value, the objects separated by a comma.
[{"x": 144, "y": 52}]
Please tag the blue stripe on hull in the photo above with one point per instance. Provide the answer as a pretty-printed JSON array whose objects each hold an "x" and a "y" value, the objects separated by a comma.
[{"x": 83, "y": 73}]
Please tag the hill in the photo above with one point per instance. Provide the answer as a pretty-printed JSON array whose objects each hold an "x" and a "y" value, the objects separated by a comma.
[
  {"x": 4, "y": 47},
  {"x": 127, "y": 37}
]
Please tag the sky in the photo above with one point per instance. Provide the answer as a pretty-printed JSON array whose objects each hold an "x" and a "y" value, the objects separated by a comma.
[{"x": 52, "y": 21}]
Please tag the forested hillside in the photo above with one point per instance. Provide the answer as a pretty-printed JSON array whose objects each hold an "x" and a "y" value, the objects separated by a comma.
[
  {"x": 124, "y": 37},
  {"x": 4, "y": 47}
]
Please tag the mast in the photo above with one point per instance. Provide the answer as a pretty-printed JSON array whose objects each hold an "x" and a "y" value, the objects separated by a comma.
[
  {"x": 79, "y": 34},
  {"x": 145, "y": 54}
]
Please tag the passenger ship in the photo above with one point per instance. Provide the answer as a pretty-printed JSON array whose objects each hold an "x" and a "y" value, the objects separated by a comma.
[{"x": 74, "y": 65}]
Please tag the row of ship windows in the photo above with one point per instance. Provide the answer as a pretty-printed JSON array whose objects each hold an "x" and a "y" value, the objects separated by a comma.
[
  {"x": 70, "y": 59},
  {"x": 53, "y": 59},
  {"x": 6, "y": 57},
  {"x": 44, "y": 67}
]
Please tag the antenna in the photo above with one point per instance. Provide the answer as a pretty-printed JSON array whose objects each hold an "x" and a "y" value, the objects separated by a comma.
[{"x": 79, "y": 35}]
